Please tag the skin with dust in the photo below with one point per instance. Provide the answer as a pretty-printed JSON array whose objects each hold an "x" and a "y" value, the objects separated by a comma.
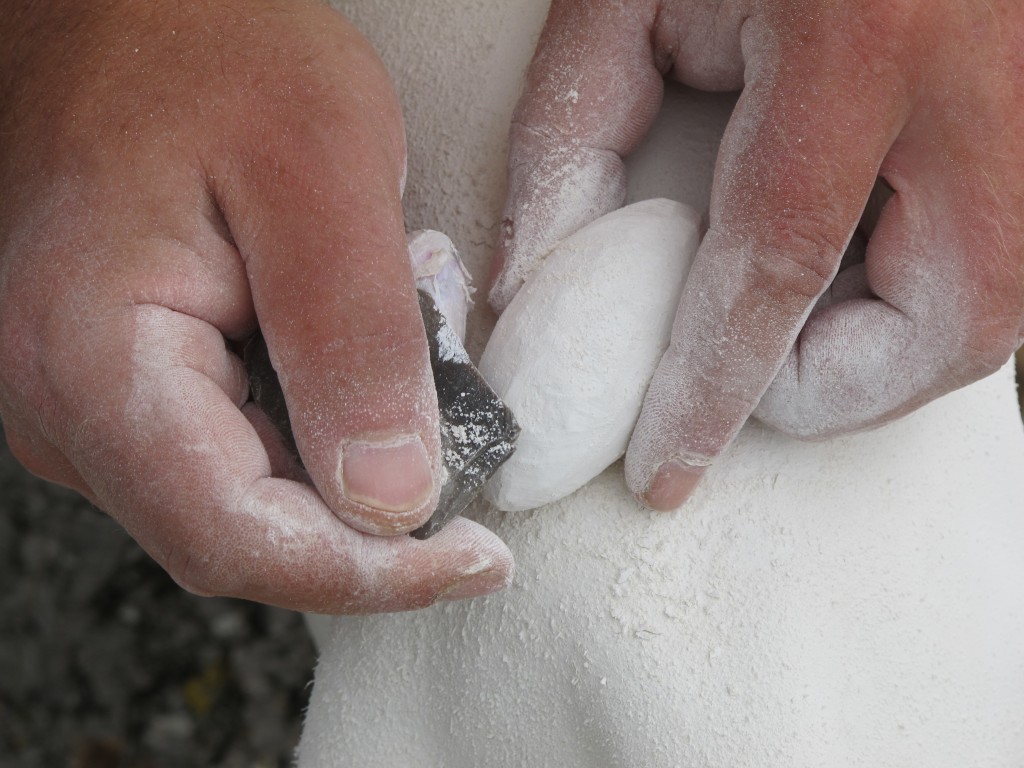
[{"x": 854, "y": 603}]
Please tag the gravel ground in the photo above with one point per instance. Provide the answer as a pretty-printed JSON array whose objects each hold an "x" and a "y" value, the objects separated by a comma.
[{"x": 106, "y": 663}]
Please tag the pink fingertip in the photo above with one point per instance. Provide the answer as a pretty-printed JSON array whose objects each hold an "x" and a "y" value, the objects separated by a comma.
[
  {"x": 673, "y": 484},
  {"x": 476, "y": 584}
]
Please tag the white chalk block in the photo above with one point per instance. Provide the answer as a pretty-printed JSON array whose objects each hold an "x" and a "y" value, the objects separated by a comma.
[{"x": 574, "y": 352}]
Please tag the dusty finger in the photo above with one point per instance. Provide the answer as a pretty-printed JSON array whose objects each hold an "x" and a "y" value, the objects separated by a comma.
[
  {"x": 788, "y": 192},
  {"x": 592, "y": 91},
  {"x": 944, "y": 310}
]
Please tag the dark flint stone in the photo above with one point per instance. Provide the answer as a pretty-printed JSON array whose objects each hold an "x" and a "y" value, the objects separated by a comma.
[{"x": 478, "y": 431}]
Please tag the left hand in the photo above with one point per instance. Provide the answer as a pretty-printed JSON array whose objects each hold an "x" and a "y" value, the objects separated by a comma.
[{"x": 927, "y": 95}]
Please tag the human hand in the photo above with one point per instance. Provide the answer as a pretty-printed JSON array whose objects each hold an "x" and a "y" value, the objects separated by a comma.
[
  {"x": 927, "y": 95},
  {"x": 172, "y": 174}
]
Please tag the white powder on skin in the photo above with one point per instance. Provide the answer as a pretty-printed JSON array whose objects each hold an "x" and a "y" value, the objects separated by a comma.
[
  {"x": 854, "y": 603},
  {"x": 567, "y": 189}
]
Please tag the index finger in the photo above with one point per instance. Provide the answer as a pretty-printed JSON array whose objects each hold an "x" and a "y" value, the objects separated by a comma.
[
  {"x": 795, "y": 169},
  {"x": 315, "y": 209}
]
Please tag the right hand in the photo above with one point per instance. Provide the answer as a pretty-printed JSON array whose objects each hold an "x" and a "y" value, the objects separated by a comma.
[{"x": 175, "y": 174}]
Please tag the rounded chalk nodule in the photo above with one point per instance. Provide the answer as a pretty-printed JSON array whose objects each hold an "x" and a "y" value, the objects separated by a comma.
[{"x": 574, "y": 352}]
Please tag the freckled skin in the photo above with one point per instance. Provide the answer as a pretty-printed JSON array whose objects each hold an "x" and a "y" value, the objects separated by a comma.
[
  {"x": 175, "y": 174},
  {"x": 927, "y": 95}
]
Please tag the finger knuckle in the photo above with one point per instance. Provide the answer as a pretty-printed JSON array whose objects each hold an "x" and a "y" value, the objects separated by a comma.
[
  {"x": 801, "y": 259},
  {"x": 982, "y": 355},
  {"x": 24, "y": 452},
  {"x": 39, "y": 380},
  {"x": 874, "y": 40},
  {"x": 799, "y": 411},
  {"x": 25, "y": 389},
  {"x": 14, "y": 352},
  {"x": 389, "y": 341},
  {"x": 197, "y": 569}
]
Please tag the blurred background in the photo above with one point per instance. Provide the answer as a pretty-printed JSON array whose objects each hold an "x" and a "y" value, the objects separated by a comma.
[{"x": 106, "y": 663}]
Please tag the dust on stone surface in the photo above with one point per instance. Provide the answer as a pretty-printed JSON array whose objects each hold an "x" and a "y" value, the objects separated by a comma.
[{"x": 106, "y": 663}]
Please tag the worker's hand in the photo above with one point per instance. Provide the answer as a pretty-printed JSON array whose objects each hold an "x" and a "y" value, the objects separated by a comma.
[
  {"x": 927, "y": 94},
  {"x": 172, "y": 174}
]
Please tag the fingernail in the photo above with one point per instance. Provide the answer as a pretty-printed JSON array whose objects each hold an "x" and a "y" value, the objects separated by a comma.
[
  {"x": 672, "y": 485},
  {"x": 391, "y": 475},
  {"x": 476, "y": 584}
]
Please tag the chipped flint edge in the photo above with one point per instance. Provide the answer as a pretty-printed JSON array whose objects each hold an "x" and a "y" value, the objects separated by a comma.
[{"x": 478, "y": 431}]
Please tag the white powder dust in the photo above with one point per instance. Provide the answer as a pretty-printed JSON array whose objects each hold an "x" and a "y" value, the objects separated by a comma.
[{"x": 854, "y": 603}]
